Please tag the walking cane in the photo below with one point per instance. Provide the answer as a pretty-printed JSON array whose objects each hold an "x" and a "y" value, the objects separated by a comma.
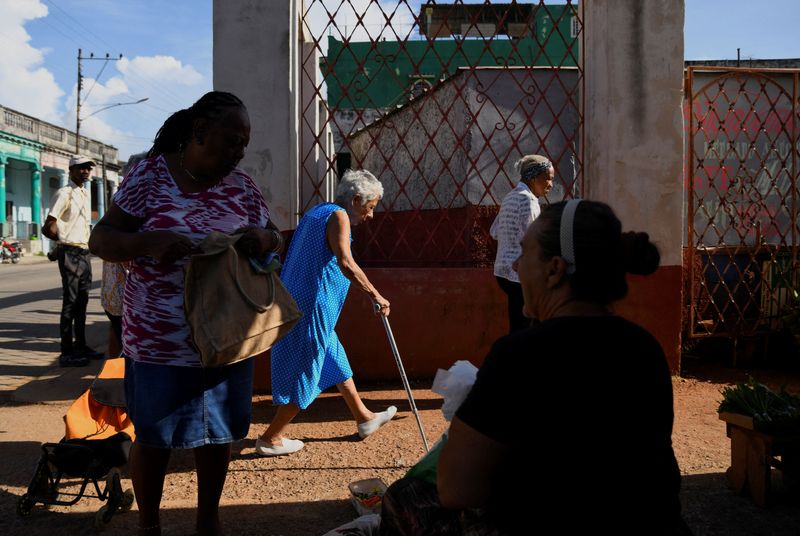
[{"x": 403, "y": 376}]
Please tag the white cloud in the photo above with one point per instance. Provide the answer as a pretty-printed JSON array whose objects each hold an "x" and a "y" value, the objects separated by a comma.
[
  {"x": 168, "y": 85},
  {"x": 358, "y": 20},
  {"x": 163, "y": 80},
  {"x": 95, "y": 97},
  {"x": 26, "y": 85},
  {"x": 160, "y": 69}
]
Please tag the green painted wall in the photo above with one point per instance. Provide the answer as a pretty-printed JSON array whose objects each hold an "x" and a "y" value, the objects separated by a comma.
[
  {"x": 380, "y": 74},
  {"x": 21, "y": 183},
  {"x": 20, "y": 152}
]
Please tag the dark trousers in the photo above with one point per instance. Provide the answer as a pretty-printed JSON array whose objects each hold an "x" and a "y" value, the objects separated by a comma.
[
  {"x": 76, "y": 280},
  {"x": 116, "y": 325},
  {"x": 516, "y": 319}
]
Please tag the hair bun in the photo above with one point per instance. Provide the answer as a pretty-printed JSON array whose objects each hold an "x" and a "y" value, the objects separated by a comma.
[{"x": 638, "y": 254}]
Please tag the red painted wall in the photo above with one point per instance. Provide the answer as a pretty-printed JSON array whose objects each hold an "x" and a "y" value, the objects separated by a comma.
[
  {"x": 440, "y": 315},
  {"x": 655, "y": 302}
]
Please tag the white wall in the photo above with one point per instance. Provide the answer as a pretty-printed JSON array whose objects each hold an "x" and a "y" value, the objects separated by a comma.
[
  {"x": 253, "y": 59},
  {"x": 633, "y": 117}
]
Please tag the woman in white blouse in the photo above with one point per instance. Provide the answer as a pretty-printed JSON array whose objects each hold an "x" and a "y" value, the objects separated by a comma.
[{"x": 517, "y": 211}]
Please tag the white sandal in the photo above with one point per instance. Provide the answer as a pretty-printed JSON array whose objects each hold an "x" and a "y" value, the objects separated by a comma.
[
  {"x": 371, "y": 426},
  {"x": 287, "y": 446}
]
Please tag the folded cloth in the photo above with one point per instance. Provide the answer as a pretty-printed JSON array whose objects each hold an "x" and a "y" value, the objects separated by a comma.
[{"x": 269, "y": 263}]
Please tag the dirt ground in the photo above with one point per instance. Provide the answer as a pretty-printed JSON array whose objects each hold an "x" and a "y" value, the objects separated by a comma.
[{"x": 306, "y": 494}]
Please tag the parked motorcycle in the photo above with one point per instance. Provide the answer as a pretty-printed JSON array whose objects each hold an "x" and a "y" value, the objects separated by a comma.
[{"x": 10, "y": 251}]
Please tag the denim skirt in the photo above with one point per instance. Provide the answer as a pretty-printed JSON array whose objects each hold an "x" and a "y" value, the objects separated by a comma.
[{"x": 187, "y": 407}]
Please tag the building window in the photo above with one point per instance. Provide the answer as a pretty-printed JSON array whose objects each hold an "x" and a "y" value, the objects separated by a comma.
[
  {"x": 18, "y": 121},
  {"x": 342, "y": 163},
  {"x": 51, "y": 132}
]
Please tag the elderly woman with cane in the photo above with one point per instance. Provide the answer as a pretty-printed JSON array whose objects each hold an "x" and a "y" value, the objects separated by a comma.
[
  {"x": 517, "y": 211},
  {"x": 318, "y": 271},
  {"x": 188, "y": 187}
]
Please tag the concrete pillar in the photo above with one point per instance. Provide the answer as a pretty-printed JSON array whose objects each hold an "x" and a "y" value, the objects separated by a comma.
[
  {"x": 3, "y": 162},
  {"x": 36, "y": 197},
  {"x": 101, "y": 197},
  {"x": 87, "y": 185},
  {"x": 634, "y": 121},
  {"x": 260, "y": 38},
  {"x": 633, "y": 58}
]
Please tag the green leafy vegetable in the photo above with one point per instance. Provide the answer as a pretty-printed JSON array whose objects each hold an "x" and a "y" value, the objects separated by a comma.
[{"x": 777, "y": 413}]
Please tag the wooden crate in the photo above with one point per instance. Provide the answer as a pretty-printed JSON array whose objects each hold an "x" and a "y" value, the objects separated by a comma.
[{"x": 754, "y": 454}]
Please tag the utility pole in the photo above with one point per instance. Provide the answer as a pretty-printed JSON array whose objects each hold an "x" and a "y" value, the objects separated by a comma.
[
  {"x": 80, "y": 87},
  {"x": 78, "y": 108}
]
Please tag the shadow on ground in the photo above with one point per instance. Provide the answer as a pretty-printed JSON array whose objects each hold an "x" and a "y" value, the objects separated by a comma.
[
  {"x": 284, "y": 519},
  {"x": 710, "y": 508}
]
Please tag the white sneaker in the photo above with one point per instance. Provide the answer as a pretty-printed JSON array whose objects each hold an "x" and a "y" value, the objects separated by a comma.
[
  {"x": 287, "y": 446},
  {"x": 370, "y": 427}
]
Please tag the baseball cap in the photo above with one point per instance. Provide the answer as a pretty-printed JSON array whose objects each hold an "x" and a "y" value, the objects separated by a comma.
[{"x": 78, "y": 160}]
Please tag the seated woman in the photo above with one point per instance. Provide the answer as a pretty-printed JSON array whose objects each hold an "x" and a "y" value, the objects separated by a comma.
[{"x": 576, "y": 412}]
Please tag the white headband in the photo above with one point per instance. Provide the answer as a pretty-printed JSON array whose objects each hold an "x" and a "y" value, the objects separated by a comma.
[{"x": 567, "y": 242}]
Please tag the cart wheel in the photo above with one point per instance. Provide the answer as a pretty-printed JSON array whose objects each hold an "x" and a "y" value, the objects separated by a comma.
[
  {"x": 126, "y": 503},
  {"x": 103, "y": 517},
  {"x": 114, "y": 494},
  {"x": 24, "y": 506}
]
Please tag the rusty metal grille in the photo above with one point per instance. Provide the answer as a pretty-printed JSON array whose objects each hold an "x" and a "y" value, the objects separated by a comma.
[
  {"x": 438, "y": 100},
  {"x": 742, "y": 199}
]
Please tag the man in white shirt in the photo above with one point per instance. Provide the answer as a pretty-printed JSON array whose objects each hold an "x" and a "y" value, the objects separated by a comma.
[{"x": 68, "y": 223}]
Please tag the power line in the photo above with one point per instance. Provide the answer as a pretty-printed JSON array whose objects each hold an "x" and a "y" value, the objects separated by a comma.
[
  {"x": 173, "y": 98},
  {"x": 78, "y": 23},
  {"x": 78, "y": 93},
  {"x": 168, "y": 96},
  {"x": 159, "y": 108},
  {"x": 103, "y": 68}
]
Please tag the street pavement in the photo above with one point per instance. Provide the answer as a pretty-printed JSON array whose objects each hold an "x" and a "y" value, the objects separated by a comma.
[{"x": 30, "y": 306}]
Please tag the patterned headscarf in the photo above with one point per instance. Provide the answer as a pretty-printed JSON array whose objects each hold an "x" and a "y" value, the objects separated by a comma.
[{"x": 535, "y": 168}]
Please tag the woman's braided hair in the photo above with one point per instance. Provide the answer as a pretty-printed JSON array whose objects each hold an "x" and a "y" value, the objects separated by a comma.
[{"x": 176, "y": 131}]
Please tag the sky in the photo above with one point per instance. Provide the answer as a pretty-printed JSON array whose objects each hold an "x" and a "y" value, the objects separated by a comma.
[{"x": 167, "y": 53}]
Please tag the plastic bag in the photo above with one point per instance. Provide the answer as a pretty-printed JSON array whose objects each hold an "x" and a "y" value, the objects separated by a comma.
[{"x": 454, "y": 384}]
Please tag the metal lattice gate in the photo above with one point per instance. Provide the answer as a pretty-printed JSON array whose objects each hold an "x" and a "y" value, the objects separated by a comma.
[
  {"x": 742, "y": 199},
  {"x": 438, "y": 101}
]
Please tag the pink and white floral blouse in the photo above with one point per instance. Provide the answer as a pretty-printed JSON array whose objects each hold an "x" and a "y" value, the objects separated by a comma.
[{"x": 154, "y": 326}]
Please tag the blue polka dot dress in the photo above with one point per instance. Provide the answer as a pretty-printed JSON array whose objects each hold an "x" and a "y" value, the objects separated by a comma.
[{"x": 310, "y": 358}]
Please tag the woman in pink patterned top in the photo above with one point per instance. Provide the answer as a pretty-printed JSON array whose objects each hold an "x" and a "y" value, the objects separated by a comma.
[{"x": 188, "y": 187}]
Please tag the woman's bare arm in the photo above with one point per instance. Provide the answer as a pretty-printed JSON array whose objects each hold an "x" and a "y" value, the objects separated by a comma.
[{"x": 338, "y": 231}]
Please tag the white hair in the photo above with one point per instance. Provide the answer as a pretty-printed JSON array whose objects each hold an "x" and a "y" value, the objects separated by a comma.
[
  {"x": 532, "y": 165},
  {"x": 358, "y": 182}
]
